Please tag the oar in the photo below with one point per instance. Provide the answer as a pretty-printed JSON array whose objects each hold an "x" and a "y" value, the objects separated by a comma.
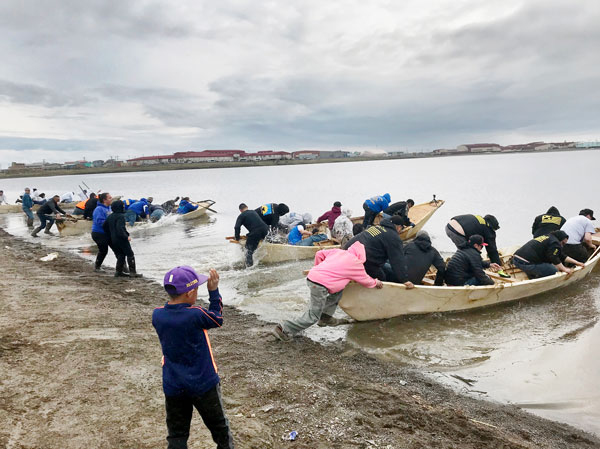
[
  {"x": 208, "y": 208},
  {"x": 593, "y": 254}
]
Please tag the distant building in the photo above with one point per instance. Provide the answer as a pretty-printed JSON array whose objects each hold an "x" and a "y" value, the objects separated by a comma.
[
  {"x": 97, "y": 163},
  {"x": 269, "y": 155},
  {"x": 208, "y": 156},
  {"x": 587, "y": 144},
  {"x": 306, "y": 154},
  {"x": 337, "y": 154},
  {"x": 479, "y": 148},
  {"x": 150, "y": 160}
]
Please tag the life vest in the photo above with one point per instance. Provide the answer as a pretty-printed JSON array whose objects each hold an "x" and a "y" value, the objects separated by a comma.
[
  {"x": 81, "y": 205},
  {"x": 266, "y": 209}
]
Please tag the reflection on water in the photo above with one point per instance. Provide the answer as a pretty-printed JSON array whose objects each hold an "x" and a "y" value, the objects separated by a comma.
[{"x": 539, "y": 353}]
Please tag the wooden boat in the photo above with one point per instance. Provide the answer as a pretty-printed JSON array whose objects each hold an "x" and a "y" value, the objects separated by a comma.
[
  {"x": 280, "y": 252},
  {"x": 201, "y": 212},
  {"x": 393, "y": 300}
]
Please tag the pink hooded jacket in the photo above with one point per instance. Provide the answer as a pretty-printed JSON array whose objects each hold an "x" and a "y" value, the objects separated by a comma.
[{"x": 334, "y": 268}]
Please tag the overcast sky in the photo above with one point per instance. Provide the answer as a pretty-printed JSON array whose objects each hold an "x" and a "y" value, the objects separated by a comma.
[{"x": 96, "y": 78}]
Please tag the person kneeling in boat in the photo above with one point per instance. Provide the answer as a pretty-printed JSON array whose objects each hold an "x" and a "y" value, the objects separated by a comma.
[
  {"x": 297, "y": 233},
  {"x": 185, "y": 206},
  {"x": 315, "y": 236},
  {"x": 331, "y": 215},
  {"x": 333, "y": 270},
  {"x": 383, "y": 243},
  {"x": 546, "y": 223},
  {"x": 420, "y": 255},
  {"x": 580, "y": 230},
  {"x": 543, "y": 256},
  {"x": 342, "y": 228},
  {"x": 373, "y": 206},
  {"x": 399, "y": 208},
  {"x": 257, "y": 228},
  {"x": 466, "y": 266}
]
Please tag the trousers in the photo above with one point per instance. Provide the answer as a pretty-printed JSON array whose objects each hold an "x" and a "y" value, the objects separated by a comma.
[
  {"x": 369, "y": 216},
  {"x": 535, "y": 270},
  {"x": 321, "y": 303},
  {"x": 252, "y": 241},
  {"x": 103, "y": 243},
  {"x": 210, "y": 406}
]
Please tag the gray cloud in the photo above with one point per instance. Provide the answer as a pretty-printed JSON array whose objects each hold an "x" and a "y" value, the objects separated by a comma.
[{"x": 38, "y": 95}]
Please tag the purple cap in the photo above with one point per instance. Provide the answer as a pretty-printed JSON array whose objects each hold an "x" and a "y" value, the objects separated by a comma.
[{"x": 180, "y": 280}]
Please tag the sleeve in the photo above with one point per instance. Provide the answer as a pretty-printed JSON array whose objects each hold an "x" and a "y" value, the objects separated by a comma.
[
  {"x": 555, "y": 254},
  {"x": 535, "y": 225},
  {"x": 491, "y": 249},
  {"x": 363, "y": 278},
  {"x": 58, "y": 208},
  {"x": 238, "y": 226},
  {"x": 324, "y": 217},
  {"x": 589, "y": 227},
  {"x": 322, "y": 255},
  {"x": 213, "y": 317},
  {"x": 121, "y": 228},
  {"x": 53, "y": 207},
  {"x": 395, "y": 253},
  {"x": 477, "y": 265},
  {"x": 440, "y": 266}
]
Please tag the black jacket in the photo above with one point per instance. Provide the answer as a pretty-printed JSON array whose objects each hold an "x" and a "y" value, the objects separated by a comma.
[
  {"x": 542, "y": 249},
  {"x": 546, "y": 223},
  {"x": 271, "y": 212},
  {"x": 251, "y": 220},
  {"x": 465, "y": 264},
  {"x": 90, "y": 205},
  {"x": 398, "y": 208},
  {"x": 382, "y": 243},
  {"x": 50, "y": 208},
  {"x": 475, "y": 224},
  {"x": 114, "y": 225},
  {"x": 420, "y": 255}
]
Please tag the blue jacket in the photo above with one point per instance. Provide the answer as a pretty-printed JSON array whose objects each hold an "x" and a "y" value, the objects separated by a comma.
[
  {"x": 295, "y": 236},
  {"x": 379, "y": 203},
  {"x": 99, "y": 217},
  {"x": 140, "y": 207},
  {"x": 128, "y": 203},
  {"x": 186, "y": 206},
  {"x": 188, "y": 363},
  {"x": 27, "y": 201}
]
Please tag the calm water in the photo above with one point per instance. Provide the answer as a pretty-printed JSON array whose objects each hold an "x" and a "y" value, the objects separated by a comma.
[{"x": 540, "y": 354}]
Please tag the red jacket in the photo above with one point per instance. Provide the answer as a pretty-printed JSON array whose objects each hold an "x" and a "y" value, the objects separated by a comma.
[{"x": 330, "y": 216}]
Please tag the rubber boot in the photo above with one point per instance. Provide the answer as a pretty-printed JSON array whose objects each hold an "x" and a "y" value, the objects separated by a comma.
[
  {"x": 30, "y": 222},
  {"x": 328, "y": 320},
  {"x": 47, "y": 230},
  {"x": 119, "y": 268},
  {"x": 132, "y": 271},
  {"x": 35, "y": 232}
]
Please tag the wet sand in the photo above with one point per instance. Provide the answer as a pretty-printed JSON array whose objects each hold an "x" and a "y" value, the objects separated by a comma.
[{"x": 80, "y": 366}]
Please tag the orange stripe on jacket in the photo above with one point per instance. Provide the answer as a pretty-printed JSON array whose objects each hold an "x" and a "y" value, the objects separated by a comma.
[
  {"x": 210, "y": 351},
  {"x": 81, "y": 205}
]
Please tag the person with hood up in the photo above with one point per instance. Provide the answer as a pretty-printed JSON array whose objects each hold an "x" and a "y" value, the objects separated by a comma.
[
  {"x": 185, "y": 206},
  {"x": 420, "y": 255},
  {"x": 99, "y": 236},
  {"x": 271, "y": 212},
  {"x": 373, "y": 206},
  {"x": 139, "y": 209},
  {"x": 543, "y": 256},
  {"x": 333, "y": 270},
  {"x": 466, "y": 266},
  {"x": 383, "y": 243},
  {"x": 462, "y": 227},
  {"x": 288, "y": 221},
  {"x": 342, "y": 228},
  {"x": 546, "y": 223},
  {"x": 331, "y": 215},
  {"x": 114, "y": 225}
]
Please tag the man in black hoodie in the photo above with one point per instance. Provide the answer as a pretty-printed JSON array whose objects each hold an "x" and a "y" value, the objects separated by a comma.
[
  {"x": 271, "y": 212},
  {"x": 420, "y": 255},
  {"x": 257, "y": 230},
  {"x": 90, "y": 206},
  {"x": 383, "y": 243},
  {"x": 546, "y": 223},
  {"x": 462, "y": 227},
  {"x": 119, "y": 237},
  {"x": 466, "y": 266}
]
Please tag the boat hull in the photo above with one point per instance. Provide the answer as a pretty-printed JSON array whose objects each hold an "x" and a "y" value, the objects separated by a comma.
[{"x": 393, "y": 300}]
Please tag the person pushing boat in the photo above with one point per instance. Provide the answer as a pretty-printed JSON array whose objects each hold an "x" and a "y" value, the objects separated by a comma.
[
  {"x": 543, "y": 256},
  {"x": 257, "y": 230},
  {"x": 47, "y": 213},
  {"x": 462, "y": 227},
  {"x": 580, "y": 230},
  {"x": 270, "y": 213}
]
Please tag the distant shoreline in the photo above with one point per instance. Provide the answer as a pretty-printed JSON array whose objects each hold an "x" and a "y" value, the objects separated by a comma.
[{"x": 207, "y": 165}]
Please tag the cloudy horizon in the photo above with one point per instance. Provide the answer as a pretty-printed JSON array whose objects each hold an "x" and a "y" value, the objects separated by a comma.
[{"x": 105, "y": 78}]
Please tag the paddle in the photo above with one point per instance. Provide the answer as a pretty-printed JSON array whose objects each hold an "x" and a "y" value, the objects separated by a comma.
[{"x": 208, "y": 208}]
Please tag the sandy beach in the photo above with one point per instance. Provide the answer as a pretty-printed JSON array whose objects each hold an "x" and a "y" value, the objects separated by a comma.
[{"x": 80, "y": 367}]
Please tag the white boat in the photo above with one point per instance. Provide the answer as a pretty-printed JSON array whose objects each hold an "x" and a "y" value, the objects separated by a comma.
[
  {"x": 393, "y": 300},
  {"x": 280, "y": 252}
]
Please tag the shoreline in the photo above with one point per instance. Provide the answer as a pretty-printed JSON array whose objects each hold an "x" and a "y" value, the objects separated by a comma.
[
  {"x": 210, "y": 165},
  {"x": 81, "y": 364}
]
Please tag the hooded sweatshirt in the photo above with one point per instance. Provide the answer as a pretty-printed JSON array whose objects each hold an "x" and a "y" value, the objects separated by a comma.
[
  {"x": 114, "y": 225},
  {"x": 420, "y": 255},
  {"x": 546, "y": 223},
  {"x": 343, "y": 225},
  {"x": 335, "y": 268},
  {"x": 330, "y": 216},
  {"x": 379, "y": 203}
]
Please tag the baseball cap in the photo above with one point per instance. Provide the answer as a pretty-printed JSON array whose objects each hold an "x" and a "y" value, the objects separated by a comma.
[
  {"x": 182, "y": 279},
  {"x": 476, "y": 239},
  {"x": 589, "y": 212}
]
